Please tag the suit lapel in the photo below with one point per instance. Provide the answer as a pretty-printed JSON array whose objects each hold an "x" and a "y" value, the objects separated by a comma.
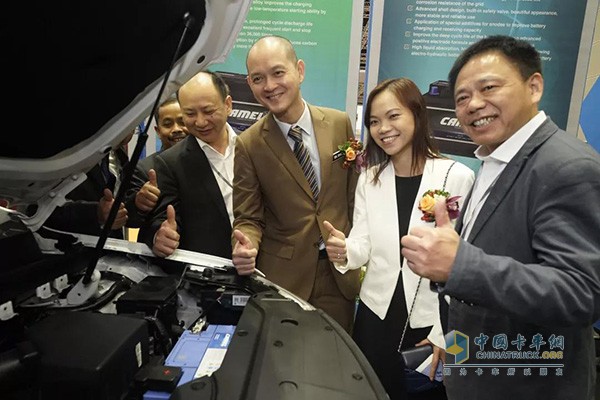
[
  {"x": 201, "y": 174},
  {"x": 95, "y": 175},
  {"x": 275, "y": 140},
  {"x": 460, "y": 220},
  {"x": 325, "y": 144},
  {"x": 508, "y": 177}
]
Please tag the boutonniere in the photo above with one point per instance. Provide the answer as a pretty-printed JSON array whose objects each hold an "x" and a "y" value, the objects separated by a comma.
[
  {"x": 431, "y": 197},
  {"x": 354, "y": 154}
]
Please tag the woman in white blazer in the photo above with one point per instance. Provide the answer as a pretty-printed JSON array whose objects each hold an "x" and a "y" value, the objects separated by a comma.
[{"x": 403, "y": 163}]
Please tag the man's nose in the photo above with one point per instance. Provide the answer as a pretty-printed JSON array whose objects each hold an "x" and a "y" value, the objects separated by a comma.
[
  {"x": 269, "y": 84},
  {"x": 476, "y": 102}
]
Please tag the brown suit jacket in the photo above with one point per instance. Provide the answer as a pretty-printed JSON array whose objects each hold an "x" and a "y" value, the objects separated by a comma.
[{"x": 273, "y": 203}]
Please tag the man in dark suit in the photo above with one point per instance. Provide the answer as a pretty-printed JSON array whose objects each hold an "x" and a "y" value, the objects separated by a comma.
[
  {"x": 278, "y": 215},
  {"x": 524, "y": 277},
  {"x": 194, "y": 211},
  {"x": 143, "y": 193},
  {"x": 89, "y": 204}
]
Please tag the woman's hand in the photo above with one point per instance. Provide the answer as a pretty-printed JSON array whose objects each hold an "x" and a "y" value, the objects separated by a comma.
[
  {"x": 439, "y": 354},
  {"x": 335, "y": 244}
]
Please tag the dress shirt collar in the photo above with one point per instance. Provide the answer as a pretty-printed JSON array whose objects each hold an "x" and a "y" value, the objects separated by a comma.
[
  {"x": 303, "y": 122},
  {"x": 231, "y": 138},
  {"x": 507, "y": 150}
]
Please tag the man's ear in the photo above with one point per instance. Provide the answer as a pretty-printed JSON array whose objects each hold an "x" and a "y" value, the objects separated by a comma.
[
  {"x": 229, "y": 104},
  {"x": 300, "y": 66},
  {"x": 536, "y": 86}
]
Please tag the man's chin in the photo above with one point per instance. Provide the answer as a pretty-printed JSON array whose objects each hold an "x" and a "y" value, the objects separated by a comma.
[{"x": 175, "y": 141}]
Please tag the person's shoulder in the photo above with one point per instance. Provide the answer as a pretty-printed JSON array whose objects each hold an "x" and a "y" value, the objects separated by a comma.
[
  {"x": 252, "y": 130},
  {"x": 567, "y": 141},
  {"x": 147, "y": 162},
  {"x": 173, "y": 152},
  {"x": 554, "y": 155},
  {"x": 462, "y": 169},
  {"x": 457, "y": 167},
  {"x": 561, "y": 146},
  {"x": 328, "y": 111}
]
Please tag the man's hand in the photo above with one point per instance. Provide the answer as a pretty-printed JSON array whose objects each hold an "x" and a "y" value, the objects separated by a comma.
[
  {"x": 430, "y": 252},
  {"x": 439, "y": 354},
  {"x": 104, "y": 206},
  {"x": 335, "y": 244},
  {"x": 166, "y": 240},
  {"x": 147, "y": 197},
  {"x": 244, "y": 254}
]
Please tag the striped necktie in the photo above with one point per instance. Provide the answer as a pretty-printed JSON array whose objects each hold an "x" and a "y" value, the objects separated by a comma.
[{"x": 301, "y": 153}]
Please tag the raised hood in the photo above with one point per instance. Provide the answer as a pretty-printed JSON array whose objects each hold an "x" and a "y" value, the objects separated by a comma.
[{"x": 84, "y": 74}]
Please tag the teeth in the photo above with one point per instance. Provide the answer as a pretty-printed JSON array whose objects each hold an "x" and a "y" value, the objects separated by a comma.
[
  {"x": 483, "y": 121},
  {"x": 388, "y": 139}
]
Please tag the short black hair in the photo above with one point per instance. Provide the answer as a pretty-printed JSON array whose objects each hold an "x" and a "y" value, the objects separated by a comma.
[
  {"x": 523, "y": 55},
  {"x": 219, "y": 83},
  {"x": 170, "y": 100}
]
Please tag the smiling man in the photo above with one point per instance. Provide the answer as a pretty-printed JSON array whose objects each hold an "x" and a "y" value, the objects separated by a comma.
[
  {"x": 524, "y": 274},
  {"x": 194, "y": 211},
  {"x": 142, "y": 195},
  {"x": 170, "y": 128},
  {"x": 279, "y": 202}
]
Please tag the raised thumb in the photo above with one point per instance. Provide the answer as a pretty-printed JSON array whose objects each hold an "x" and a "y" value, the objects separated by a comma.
[
  {"x": 441, "y": 214},
  {"x": 152, "y": 178},
  {"x": 171, "y": 216},
  {"x": 332, "y": 231},
  {"x": 107, "y": 194},
  {"x": 243, "y": 239}
]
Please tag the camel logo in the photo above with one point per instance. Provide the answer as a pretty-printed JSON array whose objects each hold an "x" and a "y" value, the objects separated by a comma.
[{"x": 457, "y": 344}]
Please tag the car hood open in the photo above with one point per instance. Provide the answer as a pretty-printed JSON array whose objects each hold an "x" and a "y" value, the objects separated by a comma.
[{"x": 84, "y": 74}]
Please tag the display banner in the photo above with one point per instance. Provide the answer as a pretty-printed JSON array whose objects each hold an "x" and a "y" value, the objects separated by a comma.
[
  {"x": 420, "y": 39},
  {"x": 326, "y": 35}
]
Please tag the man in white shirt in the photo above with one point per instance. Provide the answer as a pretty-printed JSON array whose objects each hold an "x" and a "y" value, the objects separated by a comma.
[
  {"x": 524, "y": 278},
  {"x": 194, "y": 211}
]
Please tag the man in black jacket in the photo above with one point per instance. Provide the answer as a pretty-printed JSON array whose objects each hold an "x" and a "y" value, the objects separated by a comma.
[
  {"x": 195, "y": 209},
  {"x": 143, "y": 193}
]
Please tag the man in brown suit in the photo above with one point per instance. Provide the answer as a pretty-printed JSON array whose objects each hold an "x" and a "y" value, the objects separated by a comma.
[{"x": 278, "y": 226}]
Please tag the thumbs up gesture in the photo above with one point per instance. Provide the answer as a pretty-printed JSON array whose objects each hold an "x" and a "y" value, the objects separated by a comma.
[
  {"x": 147, "y": 197},
  {"x": 335, "y": 244},
  {"x": 166, "y": 240},
  {"x": 244, "y": 254},
  {"x": 430, "y": 251},
  {"x": 104, "y": 206}
]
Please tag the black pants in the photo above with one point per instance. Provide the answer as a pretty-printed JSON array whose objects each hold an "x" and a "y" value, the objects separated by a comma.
[{"x": 379, "y": 339}]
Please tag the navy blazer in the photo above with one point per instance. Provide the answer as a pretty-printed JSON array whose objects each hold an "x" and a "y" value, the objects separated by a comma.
[{"x": 531, "y": 266}]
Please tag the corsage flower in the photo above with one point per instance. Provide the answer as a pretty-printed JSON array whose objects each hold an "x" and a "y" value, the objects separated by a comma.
[
  {"x": 431, "y": 197},
  {"x": 354, "y": 154}
]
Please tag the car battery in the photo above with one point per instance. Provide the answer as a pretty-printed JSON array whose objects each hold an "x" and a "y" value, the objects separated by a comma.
[{"x": 197, "y": 354}]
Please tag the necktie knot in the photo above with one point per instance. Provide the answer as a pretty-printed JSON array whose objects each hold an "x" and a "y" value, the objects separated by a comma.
[{"x": 295, "y": 133}]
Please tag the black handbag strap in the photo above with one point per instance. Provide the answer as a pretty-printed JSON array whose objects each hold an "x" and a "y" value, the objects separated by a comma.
[{"x": 420, "y": 278}]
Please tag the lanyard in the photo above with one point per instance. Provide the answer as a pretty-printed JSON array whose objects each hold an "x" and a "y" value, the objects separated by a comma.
[{"x": 216, "y": 171}]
